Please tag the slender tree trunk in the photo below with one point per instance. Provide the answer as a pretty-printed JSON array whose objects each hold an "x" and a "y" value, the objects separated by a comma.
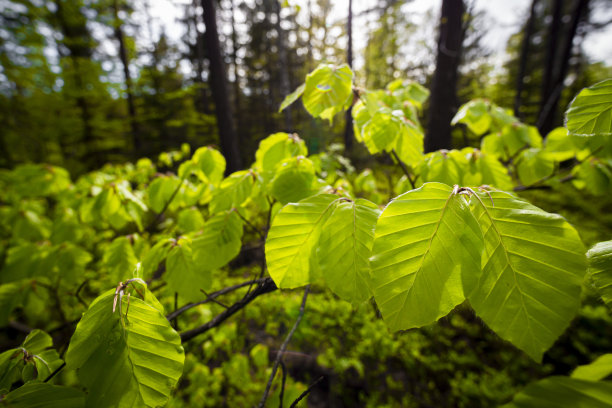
[
  {"x": 284, "y": 66},
  {"x": 199, "y": 60},
  {"x": 228, "y": 138},
  {"x": 552, "y": 55},
  {"x": 348, "y": 127},
  {"x": 444, "y": 85},
  {"x": 129, "y": 89},
  {"x": 520, "y": 78},
  {"x": 546, "y": 120},
  {"x": 236, "y": 87}
]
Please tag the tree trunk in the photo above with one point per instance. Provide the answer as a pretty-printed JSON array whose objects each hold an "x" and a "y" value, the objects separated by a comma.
[
  {"x": 552, "y": 46},
  {"x": 520, "y": 78},
  {"x": 129, "y": 89},
  {"x": 199, "y": 60},
  {"x": 235, "y": 63},
  {"x": 284, "y": 66},
  {"x": 348, "y": 127},
  {"x": 443, "y": 100},
  {"x": 546, "y": 120},
  {"x": 228, "y": 138}
]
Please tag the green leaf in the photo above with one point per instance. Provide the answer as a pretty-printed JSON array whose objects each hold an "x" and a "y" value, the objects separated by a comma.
[
  {"x": 380, "y": 132},
  {"x": 34, "y": 359},
  {"x": 409, "y": 144},
  {"x": 160, "y": 192},
  {"x": 425, "y": 240},
  {"x": 600, "y": 269},
  {"x": 182, "y": 275},
  {"x": 443, "y": 167},
  {"x": 533, "y": 267},
  {"x": 558, "y": 392},
  {"x": 344, "y": 249},
  {"x": 597, "y": 370},
  {"x": 483, "y": 169},
  {"x": 233, "y": 191},
  {"x": 594, "y": 176},
  {"x": 190, "y": 219},
  {"x": 219, "y": 242},
  {"x": 292, "y": 97},
  {"x": 119, "y": 259},
  {"x": 475, "y": 115},
  {"x": 327, "y": 90},
  {"x": 558, "y": 145},
  {"x": 533, "y": 165},
  {"x": 43, "y": 395},
  {"x": 590, "y": 113},
  {"x": 293, "y": 237},
  {"x": 126, "y": 357},
  {"x": 211, "y": 163},
  {"x": 11, "y": 295},
  {"x": 276, "y": 148},
  {"x": 295, "y": 180},
  {"x": 512, "y": 139},
  {"x": 154, "y": 256}
]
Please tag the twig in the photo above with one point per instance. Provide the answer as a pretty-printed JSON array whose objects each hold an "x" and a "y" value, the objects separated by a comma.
[
  {"x": 210, "y": 298},
  {"x": 175, "y": 321},
  {"x": 265, "y": 286},
  {"x": 404, "y": 168},
  {"x": 163, "y": 210},
  {"x": 57, "y": 370},
  {"x": 284, "y": 380},
  {"x": 250, "y": 225},
  {"x": 214, "y": 299},
  {"x": 78, "y": 294},
  {"x": 284, "y": 347},
  {"x": 305, "y": 393}
]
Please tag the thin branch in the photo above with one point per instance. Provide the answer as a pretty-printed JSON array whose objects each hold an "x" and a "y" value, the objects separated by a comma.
[
  {"x": 281, "y": 396},
  {"x": 305, "y": 393},
  {"x": 163, "y": 210},
  {"x": 265, "y": 286},
  {"x": 57, "y": 370},
  {"x": 78, "y": 294},
  {"x": 214, "y": 299},
  {"x": 212, "y": 296},
  {"x": 250, "y": 225},
  {"x": 404, "y": 168},
  {"x": 283, "y": 348}
]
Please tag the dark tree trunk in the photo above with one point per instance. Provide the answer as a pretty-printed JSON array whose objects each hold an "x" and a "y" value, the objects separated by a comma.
[
  {"x": 129, "y": 89},
  {"x": 552, "y": 47},
  {"x": 199, "y": 60},
  {"x": 546, "y": 120},
  {"x": 284, "y": 66},
  {"x": 443, "y": 100},
  {"x": 520, "y": 78},
  {"x": 228, "y": 138},
  {"x": 348, "y": 127},
  {"x": 235, "y": 63}
]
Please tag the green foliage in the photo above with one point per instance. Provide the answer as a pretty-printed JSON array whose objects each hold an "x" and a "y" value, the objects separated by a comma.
[
  {"x": 43, "y": 394},
  {"x": 600, "y": 269},
  {"x": 426, "y": 240},
  {"x": 438, "y": 252},
  {"x": 125, "y": 351},
  {"x": 590, "y": 113}
]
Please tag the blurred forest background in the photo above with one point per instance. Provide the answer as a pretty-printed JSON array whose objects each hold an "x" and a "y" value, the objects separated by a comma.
[{"x": 86, "y": 82}]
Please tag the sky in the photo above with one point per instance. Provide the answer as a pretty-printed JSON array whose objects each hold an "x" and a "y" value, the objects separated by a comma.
[{"x": 505, "y": 16}]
